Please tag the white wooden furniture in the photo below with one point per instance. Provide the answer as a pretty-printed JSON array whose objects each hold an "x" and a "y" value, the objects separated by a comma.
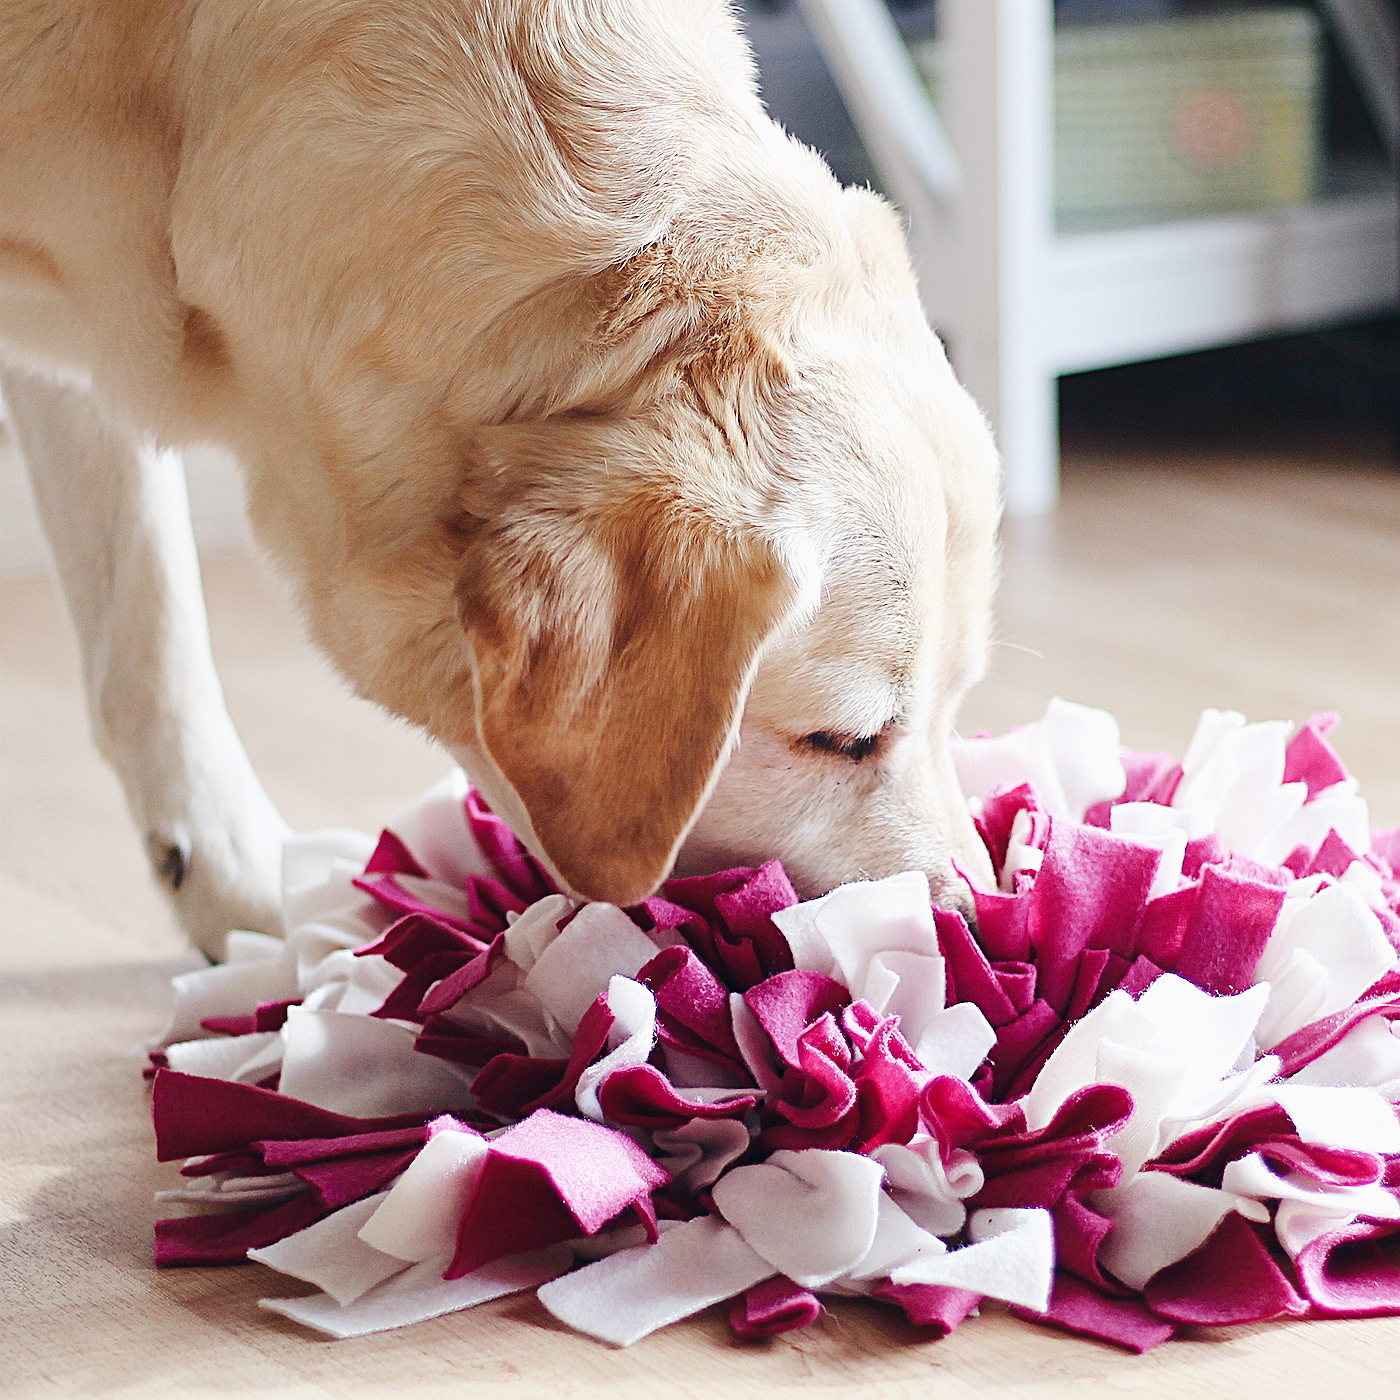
[{"x": 1020, "y": 304}]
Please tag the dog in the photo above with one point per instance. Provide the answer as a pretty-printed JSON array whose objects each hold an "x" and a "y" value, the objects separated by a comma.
[{"x": 598, "y": 430}]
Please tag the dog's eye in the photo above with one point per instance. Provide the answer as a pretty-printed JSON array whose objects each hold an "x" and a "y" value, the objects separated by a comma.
[{"x": 847, "y": 746}]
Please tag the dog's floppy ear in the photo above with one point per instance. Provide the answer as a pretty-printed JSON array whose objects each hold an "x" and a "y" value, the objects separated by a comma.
[{"x": 615, "y": 620}]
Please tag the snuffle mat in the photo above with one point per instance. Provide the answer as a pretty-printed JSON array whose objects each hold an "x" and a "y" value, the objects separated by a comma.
[{"x": 1155, "y": 1089}]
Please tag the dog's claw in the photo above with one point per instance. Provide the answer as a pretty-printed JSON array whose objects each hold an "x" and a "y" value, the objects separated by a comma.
[{"x": 169, "y": 859}]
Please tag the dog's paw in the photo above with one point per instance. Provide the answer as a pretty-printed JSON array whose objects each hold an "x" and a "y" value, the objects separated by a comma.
[{"x": 221, "y": 875}]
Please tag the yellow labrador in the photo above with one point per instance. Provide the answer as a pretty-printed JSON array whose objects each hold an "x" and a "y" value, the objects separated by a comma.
[{"x": 598, "y": 430}]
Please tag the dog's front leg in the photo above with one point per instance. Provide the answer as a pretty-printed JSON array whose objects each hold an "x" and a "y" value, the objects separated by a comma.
[{"x": 117, "y": 518}]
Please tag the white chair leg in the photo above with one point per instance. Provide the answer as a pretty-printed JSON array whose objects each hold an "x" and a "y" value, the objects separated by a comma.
[
  {"x": 999, "y": 61},
  {"x": 978, "y": 199}
]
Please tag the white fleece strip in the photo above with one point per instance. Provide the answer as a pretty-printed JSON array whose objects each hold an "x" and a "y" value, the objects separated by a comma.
[{"x": 630, "y": 1294}]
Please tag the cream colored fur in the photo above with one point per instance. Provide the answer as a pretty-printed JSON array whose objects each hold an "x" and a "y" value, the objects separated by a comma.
[{"x": 597, "y": 429}]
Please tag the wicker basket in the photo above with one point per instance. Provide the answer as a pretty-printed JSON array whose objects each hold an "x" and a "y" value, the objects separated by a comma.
[{"x": 1190, "y": 115}]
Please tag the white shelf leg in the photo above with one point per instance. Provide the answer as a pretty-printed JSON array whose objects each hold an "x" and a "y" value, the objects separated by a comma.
[{"x": 999, "y": 58}]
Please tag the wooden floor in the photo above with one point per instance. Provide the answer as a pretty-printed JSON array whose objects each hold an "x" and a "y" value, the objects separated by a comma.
[{"x": 1176, "y": 576}]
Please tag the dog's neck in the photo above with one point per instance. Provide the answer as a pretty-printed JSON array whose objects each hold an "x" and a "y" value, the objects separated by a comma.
[{"x": 464, "y": 160}]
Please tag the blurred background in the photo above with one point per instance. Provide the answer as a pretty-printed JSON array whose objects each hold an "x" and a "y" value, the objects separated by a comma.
[{"x": 1213, "y": 177}]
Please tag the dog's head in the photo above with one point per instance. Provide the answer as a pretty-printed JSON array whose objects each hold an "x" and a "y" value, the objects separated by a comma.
[
  {"x": 606, "y": 441},
  {"x": 731, "y": 620}
]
